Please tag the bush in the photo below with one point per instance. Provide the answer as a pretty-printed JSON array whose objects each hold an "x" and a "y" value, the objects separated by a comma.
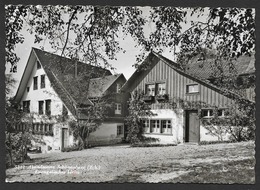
[
  {"x": 16, "y": 148},
  {"x": 216, "y": 142},
  {"x": 151, "y": 145}
]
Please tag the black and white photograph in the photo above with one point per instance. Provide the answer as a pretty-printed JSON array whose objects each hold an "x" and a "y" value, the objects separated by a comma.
[{"x": 130, "y": 94}]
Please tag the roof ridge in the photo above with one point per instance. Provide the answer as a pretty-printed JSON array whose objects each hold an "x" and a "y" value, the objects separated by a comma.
[
  {"x": 205, "y": 81},
  {"x": 69, "y": 59}
]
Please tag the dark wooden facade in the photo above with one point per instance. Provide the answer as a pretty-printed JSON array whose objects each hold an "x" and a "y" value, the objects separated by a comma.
[{"x": 176, "y": 84}]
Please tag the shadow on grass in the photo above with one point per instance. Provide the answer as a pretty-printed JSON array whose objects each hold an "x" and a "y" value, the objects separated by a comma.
[
  {"x": 227, "y": 172},
  {"x": 47, "y": 160}
]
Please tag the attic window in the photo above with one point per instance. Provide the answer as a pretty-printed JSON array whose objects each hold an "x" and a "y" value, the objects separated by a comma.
[
  {"x": 38, "y": 65},
  {"x": 192, "y": 88}
]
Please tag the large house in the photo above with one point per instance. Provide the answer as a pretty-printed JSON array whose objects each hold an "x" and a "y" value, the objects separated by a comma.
[
  {"x": 162, "y": 80},
  {"x": 53, "y": 88}
]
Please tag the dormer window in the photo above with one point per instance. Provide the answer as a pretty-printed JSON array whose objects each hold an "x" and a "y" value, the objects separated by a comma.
[
  {"x": 38, "y": 65},
  {"x": 192, "y": 88}
]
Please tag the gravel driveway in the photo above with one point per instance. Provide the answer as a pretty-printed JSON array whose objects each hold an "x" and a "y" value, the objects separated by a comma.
[{"x": 127, "y": 164}]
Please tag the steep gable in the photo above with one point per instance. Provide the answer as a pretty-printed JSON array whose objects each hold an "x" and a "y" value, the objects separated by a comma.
[
  {"x": 149, "y": 74},
  {"x": 62, "y": 74}
]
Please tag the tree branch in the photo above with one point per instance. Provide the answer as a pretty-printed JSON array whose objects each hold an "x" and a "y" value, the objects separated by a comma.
[{"x": 68, "y": 30}]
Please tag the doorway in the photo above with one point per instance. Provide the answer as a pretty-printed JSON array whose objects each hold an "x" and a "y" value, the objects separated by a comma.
[
  {"x": 192, "y": 126},
  {"x": 64, "y": 138}
]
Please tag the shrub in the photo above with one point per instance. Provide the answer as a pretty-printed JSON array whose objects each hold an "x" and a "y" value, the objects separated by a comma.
[
  {"x": 216, "y": 142},
  {"x": 151, "y": 145},
  {"x": 16, "y": 148}
]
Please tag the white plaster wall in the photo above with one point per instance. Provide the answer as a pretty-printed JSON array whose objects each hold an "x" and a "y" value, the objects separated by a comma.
[
  {"x": 42, "y": 94},
  {"x": 106, "y": 134},
  {"x": 177, "y": 125}
]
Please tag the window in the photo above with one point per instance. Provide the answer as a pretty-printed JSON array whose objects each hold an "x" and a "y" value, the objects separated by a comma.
[
  {"x": 35, "y": 83},
  {"x": 155, "y": 126},
  {"x": 42, "y": 81},
  {"x": 161, "y": 88},
  {"x": 146, "y": 125},
  {"x": 48, "y": 107},
  {"x": 150, "y": 89},
  {"x": 120, "y": 130},
  {"x": 28, "y": 89},
  {"x": 38, "y": 65},
  {"x": 166, "y": 126},
  {"x": 26, "y": 106},
  {"x": 50, "y": 127},
  {"x": 41, "y": 107},
  {"x": 118, "y": 108},
  {"x": 118, "y": 87},
  {"x": 207, "y": 113},
  {"x": 192, "y": 88},
  {"x": 158, "y": 126},
  {"x": 41, "y": 127}
]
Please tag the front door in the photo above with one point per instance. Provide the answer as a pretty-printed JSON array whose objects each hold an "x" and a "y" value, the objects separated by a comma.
[
  {"x": 64, "y": 138},
  {"x": 192, "y": 126}
]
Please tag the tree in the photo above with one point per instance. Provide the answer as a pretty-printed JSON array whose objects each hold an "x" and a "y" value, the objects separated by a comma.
[
  {"x": 138, "y": 111},
  {"x": 239, "y": 122},
  {"x": 15, "y": 142},
  {"x": 93, "y": 32},
  {"x": 88, "y": 120}
]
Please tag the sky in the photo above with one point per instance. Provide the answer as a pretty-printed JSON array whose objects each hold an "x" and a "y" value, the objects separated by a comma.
[{"x": 123, "y": 64}]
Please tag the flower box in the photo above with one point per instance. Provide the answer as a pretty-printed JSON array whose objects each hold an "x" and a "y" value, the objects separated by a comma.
[
  {"x": 162, "y": 97},
  {"x": 148, "y": 98}
]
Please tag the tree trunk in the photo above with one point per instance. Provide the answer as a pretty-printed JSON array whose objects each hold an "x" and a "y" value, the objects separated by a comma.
[{"x": 10, "y": 151}]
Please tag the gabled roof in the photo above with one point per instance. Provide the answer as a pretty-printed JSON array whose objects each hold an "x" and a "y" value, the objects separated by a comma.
[
  {"x": 179, "y": 69},
  {"x": 98, "y": 86},
  {"x": 206, "y": 68},
  {"x": 64, "y": 75}
]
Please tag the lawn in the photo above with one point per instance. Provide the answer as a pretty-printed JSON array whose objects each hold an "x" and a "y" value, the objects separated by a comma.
[{"x": 219, "y": 163}]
